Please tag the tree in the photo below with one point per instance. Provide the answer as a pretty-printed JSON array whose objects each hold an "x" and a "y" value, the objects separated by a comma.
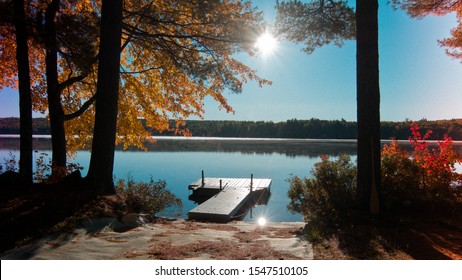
[
  {"x": 59, "y": 56},
  {"x": 321, "y": 22},
  {"x": 368, "y": 100},
  {"x": 174, "y": 54},
  {"x": 8, "y": 63},
  {"x": 107, "y": 93},
  {"x": 421, "y": 8},
  {"x": 178, "y": 49},
  {"x": 16, "y": 73},
  {"x": 58, "y": 137},
  {"x": 25, "y": 97},
  {"x": 68, "y": 60},
  {"x": 317, "y": 23},
  {"x": 177, "y": 53}
]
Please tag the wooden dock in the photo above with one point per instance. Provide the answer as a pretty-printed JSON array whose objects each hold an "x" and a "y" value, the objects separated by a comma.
[{"x": 227, "y": 196}]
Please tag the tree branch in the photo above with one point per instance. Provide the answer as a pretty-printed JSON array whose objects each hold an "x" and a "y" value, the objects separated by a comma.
[
  {"x": 82, "y": 109},
  {"x": 70, "y": 81}
]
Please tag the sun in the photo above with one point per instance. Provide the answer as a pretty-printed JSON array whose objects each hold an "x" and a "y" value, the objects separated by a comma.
[
  {"x": 261, "y": 221},
  {"x": 266, "y": 44}
]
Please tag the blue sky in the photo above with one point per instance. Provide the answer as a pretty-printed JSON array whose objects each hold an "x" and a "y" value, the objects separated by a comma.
[{"x": 418, "y": 80}]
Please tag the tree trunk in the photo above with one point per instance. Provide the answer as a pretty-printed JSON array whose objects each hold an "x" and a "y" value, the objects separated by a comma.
[
  {"x": 25, "y": 98},
  {"x": 100, "y": 172},
  {"x": 58, "y": 137},
  {"x": 368, "y": 102}
]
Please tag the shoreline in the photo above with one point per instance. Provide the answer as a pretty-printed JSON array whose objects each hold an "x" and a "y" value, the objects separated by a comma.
[{"x": 247, "y": 139}]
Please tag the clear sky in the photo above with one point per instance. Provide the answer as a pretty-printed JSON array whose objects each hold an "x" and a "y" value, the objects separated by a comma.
[{"x": 418, "y": 80}]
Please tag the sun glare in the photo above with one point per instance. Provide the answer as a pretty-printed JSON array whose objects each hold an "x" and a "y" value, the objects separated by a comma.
[
  {"x": 266, "y": 44},
  {"x": 261, "y": 221}
]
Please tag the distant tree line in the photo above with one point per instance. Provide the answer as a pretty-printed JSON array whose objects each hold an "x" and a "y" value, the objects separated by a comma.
[
  {"x": 319, "y": 129},
  {"x": 302, "y": 129},
  {"x": 40, "y": 126}
]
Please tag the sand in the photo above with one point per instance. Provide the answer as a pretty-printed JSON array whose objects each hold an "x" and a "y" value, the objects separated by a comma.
[{"x": 109, "y": 239}]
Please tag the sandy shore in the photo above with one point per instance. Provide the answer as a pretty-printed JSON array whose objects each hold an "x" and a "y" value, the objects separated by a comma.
[{"x": 168, "y": 240}]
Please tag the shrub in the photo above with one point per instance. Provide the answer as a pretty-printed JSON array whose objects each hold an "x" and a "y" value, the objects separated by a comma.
[
  {"x": 399, "y": 173},
  {"x": 328, "y": 193},
  {"x": 148, "y": 198},
  {"x": 427, "y": 175},
  {"x": 43, "y": 169},
  {"x": 10, "y": 163},
  {"x": 438, "y": 164},
  {"x": 42, "y": 173}
]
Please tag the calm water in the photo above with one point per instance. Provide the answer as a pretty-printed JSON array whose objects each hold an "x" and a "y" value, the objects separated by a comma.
[{"x": 179, "y": 162}]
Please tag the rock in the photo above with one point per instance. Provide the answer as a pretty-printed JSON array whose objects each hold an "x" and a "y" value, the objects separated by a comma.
[
  {"x": 134, "y": 219},
  {"x": 98, "y": 224}
]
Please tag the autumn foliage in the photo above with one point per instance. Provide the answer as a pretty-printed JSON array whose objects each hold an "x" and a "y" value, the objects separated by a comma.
[
  {"x": 421, "y": 178},
  {"x": 428, "y": 173},
  {"x": 174, "y": 54},
  {"x": 421, "y": 8}
]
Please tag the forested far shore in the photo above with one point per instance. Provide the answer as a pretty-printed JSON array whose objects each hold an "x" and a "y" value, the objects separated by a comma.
[{"x": 299, "y": 129}]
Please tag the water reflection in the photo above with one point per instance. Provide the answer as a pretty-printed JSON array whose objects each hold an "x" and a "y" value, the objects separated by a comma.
[{"x": 288, "y": 147}]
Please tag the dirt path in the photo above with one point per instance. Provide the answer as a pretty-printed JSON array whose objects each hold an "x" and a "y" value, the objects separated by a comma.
[{"x": 172, "y": 240}]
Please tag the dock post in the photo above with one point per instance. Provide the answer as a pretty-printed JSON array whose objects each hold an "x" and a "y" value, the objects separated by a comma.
[
  {"x": 221, "y": 185},
  {"x": 251, "y": 182},
  {"x": 203, "y": 179}
]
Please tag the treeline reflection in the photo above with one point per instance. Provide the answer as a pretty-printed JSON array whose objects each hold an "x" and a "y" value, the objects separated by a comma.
[{"x": 287, "y": 147}]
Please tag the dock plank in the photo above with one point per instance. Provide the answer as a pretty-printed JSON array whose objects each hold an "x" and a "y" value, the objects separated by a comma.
[
  {"x": 234, "y": 183},
  {"x": 223, "y": 206},
  {"x": 263, "y": 183}
]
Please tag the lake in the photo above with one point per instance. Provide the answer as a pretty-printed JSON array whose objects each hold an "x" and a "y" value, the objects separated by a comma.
[{"x": 179, "y": 162}]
